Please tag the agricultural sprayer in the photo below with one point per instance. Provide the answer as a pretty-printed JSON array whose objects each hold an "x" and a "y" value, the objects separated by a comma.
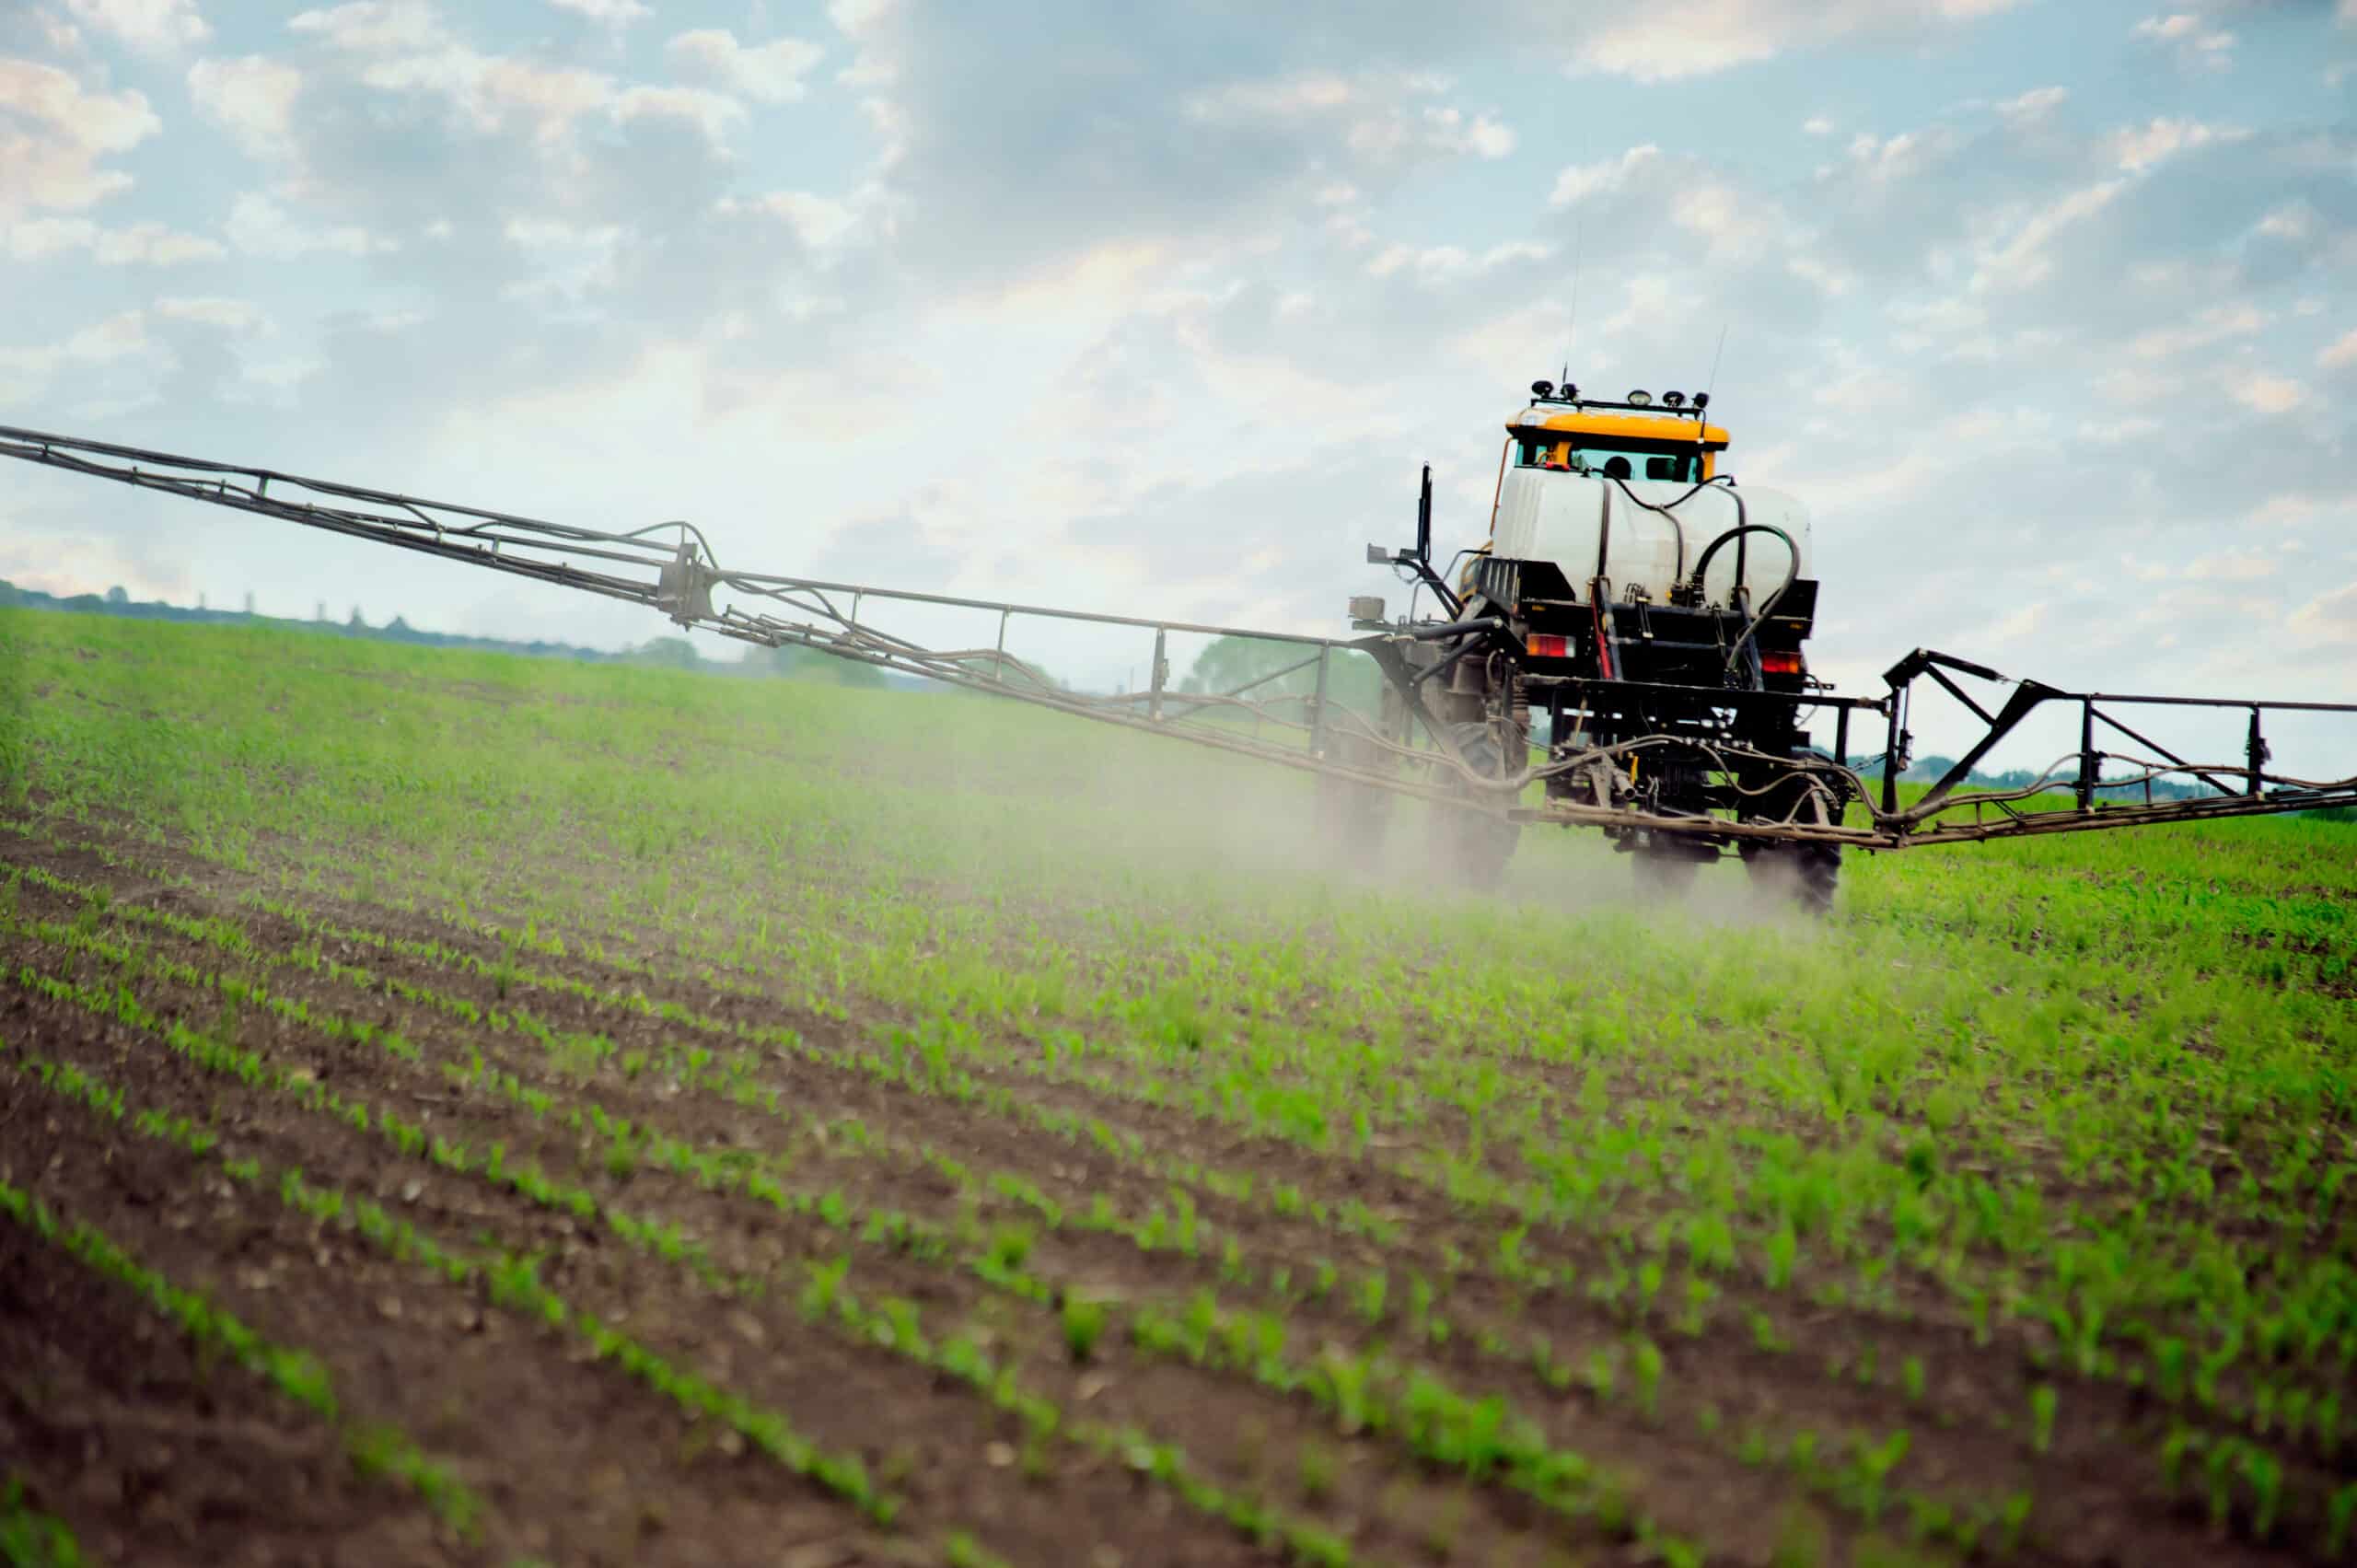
[{"x": 1625, "y": 651}]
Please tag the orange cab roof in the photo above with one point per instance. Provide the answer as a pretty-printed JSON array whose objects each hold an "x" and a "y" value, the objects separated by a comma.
[{"x": 1628, "y": 424}]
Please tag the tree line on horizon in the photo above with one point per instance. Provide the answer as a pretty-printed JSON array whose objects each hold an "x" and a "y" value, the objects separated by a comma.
[{"x": 667, "y": 653}]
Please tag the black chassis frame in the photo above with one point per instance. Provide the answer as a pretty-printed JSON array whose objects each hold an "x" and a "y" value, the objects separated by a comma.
[{"x": 1632, "y": 668}]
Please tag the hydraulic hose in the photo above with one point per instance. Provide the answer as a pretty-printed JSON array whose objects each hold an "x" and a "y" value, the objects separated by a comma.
[
  {"x": 1668, "y": 510},
  {"x": 1792, "y": 576}
]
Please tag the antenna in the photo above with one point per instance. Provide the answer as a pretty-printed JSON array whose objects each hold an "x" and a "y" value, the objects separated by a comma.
[{"x": 1713, "y": 388}]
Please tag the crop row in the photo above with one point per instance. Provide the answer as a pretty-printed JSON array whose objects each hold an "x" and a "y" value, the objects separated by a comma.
[
  {"x": 1599, "y": 1374},
  {"x": 2089, "y": 1298},
  {"x": 893, "y": 1326},
  {"x": 295, "y": 1373}
]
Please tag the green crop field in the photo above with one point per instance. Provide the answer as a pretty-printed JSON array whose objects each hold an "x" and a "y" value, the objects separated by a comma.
[{"x": 464, "y": 1109}]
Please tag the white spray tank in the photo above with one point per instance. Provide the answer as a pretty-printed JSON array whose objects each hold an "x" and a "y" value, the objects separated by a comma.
[{"x": 1648, "y": 533}]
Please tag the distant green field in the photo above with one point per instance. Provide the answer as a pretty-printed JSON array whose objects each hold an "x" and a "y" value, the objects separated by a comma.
[{"x": 2011, "y": 1211}]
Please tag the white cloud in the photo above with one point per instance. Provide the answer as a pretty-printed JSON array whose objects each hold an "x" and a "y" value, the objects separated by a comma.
[
  {"x": 711, "y": 112},
  {"x": 1291, "y": 98},
  {"x": 768, "y": 72},
  {"x": 212, "y": 310},
  {"x": 2116, "y": 432},
  {"x": 1733, "y": 220},
  {"x": 55, "y": 131},
  {"x": 260, "y": 227},
  {"x": 252, "y": 99},
  {"x": 1861, "y": 390},
  {"x": 153, "y": 25},
  {"x": 1827, "y": 278},
  {"x": 1898, "y": 158},
  {"x": 2035, "y": 104},
  {"x": 406, "y": 49},
  {"x": 1481, "y": 136},
  {"x": 150, "y": 243},
  {"x": 2232, "y": 566},
  {"x": 374, "y": 26},
  {"x": 1669, "y": 39},
  {"x": 153, "y": 244},
  {"x": 2292, "y": 508},
  {"x": 1449, "y": 263},
  {"x": 484, "y": 90},
  {"x": 2021, "y": 260},
  {"x": 604, "y": 13},
  {"x": 2136, "y": 148},
  {"x": 1581, "y": 181},
  {"x": 1818, "y": 125},
  {"x": 35, "y": 239},
  {"x": 818, "y": 222},
  {"x": 2214, "y": 325},
  {"x": 2330, "y": 616},
  {"x": 863, "y": 22},
  {"x": 2342, "y": 353},
  {"x": 1375, "y": 114},
  {"x": 26, "y": 373},
  {"x": 60, "y": 34},
  {"x": 2197, "y": 42},
  {"x": 2294, "y": 220},
  {"x": 546, "y": 233},
  {"x": 2265, "y": 393}
]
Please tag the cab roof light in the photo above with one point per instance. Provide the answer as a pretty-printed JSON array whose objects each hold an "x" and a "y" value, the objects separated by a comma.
[{"x": 1641, "y": 398}]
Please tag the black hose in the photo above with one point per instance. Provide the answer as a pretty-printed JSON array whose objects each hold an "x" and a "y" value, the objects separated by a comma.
[
  {"x": 1792, "y": 576},
  {"x": 1670, "y": 510},
  {"x": 1703, "y": 565},
  {"x": 1448, "y": 661},
  {"x": 1448, "y": 629}
]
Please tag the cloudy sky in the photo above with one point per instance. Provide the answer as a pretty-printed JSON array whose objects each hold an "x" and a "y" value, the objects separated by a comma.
[{"x": 2045, "y": 308}]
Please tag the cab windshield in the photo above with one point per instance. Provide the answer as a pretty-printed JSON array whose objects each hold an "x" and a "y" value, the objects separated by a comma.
[{"x": 1568, "y": 452}]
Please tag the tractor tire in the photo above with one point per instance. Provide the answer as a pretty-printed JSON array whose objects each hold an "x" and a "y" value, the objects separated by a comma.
[
  {"x": 1661, "y": 875},
  {"x": 1476, "y": 842},
  {"x": 1806, "y": 873},
  {"x": 1354, "y": 819}
]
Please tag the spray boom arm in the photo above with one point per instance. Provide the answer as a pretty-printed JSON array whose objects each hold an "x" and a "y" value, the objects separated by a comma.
[{"x": 671, "y": 568}]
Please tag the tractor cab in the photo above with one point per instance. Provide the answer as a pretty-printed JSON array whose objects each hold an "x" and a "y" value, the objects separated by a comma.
[
  {"x": 1634, "y": 439},
  {"x": 1622, "y": 499},
  {"x": 1621, "y": 493}
]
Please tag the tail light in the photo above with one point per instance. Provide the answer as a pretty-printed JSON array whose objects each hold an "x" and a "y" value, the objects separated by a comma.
[
  {"x": 1544, "y": 646},
  {"x": 1781, "y": 664}
]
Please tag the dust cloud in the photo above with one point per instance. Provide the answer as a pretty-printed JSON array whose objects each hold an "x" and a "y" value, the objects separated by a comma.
[{"x": 1095, "y": 810}]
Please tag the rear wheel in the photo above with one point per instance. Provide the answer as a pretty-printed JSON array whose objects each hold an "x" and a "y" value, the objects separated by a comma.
[
  {"x": 1353, "y": 817},
  {"x": 1807, "y": 873},
  {"x": 1665, "y": 864},
  {"x": 1662, "y": 873},
  {"x": 1478, "y": 839}
]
